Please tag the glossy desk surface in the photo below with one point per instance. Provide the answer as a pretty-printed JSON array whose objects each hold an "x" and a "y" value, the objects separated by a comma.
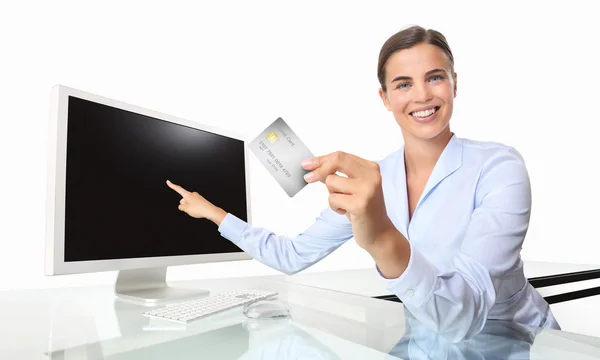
[{"x": 90, "y": 323}]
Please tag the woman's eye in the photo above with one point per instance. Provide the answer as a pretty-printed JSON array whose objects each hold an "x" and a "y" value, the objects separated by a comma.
[
  {"x": 436, "y": 78},
  {"x": 402, "y": 86}
]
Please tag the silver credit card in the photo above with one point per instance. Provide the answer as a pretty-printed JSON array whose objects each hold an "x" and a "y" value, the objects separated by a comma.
[{"x": 281, "y": 152}]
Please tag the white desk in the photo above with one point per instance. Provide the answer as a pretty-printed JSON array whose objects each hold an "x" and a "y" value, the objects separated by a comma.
[{"x": 90, "y": 323}]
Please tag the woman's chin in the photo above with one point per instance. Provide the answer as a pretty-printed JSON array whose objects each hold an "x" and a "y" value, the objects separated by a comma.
[{"x": 426, "y": 132}]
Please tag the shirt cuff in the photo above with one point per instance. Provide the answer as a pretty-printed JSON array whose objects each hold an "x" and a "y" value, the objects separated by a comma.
[
  {"x": 232, "y": 227},
  {"x": 415, "y": 286}
]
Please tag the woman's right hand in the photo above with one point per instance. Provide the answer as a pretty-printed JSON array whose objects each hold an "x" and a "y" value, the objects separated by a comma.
[{"x": 195, "y": 205}]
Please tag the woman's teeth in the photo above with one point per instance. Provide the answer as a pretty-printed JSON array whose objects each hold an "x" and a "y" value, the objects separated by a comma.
[{"x": 424, "y": 113}]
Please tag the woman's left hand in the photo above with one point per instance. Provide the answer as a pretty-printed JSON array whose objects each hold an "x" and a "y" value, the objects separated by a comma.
[{"x": 359, "y": 195}]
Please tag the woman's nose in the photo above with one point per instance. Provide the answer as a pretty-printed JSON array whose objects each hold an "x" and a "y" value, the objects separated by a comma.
[{"x": 422, "y": 93}]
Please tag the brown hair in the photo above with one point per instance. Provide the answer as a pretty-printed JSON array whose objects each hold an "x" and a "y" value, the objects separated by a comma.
[{"x": 406, "y": 39}]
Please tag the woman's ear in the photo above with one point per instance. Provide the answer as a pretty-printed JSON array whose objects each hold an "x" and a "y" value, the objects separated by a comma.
[
  {"x": 385, "y": 99},
  {"x": 455, "y": 78}
]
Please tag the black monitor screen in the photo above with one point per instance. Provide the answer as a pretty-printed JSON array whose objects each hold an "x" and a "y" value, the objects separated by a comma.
[{"x": 118, "y": 205}]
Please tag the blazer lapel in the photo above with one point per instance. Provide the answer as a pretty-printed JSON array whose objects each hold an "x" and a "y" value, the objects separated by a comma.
[
  {"x": 450, "y": 160},
  {"x": 402, "y": 194}
]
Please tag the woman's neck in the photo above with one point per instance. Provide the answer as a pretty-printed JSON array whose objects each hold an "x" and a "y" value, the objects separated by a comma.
[{"x": 420, "y": 156}]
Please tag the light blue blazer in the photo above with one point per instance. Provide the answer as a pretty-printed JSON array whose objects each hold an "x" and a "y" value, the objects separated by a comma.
[{"x": 466, "y": 236}]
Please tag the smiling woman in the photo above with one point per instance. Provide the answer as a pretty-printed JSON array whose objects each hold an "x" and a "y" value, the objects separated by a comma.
[
  {"x": 418, "y": 85},
  {"x": 443, "y": 217},
  {"x": 418, "y": 82}
]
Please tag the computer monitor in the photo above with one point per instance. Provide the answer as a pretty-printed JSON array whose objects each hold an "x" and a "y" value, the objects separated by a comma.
[{"x": 109, "y": 207}]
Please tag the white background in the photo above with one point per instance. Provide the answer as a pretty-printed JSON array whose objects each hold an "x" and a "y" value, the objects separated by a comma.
[{"x": 527, "y": 77}]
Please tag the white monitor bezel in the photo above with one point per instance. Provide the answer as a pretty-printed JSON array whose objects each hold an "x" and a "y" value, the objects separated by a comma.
[{"x": 56, "y": 178}]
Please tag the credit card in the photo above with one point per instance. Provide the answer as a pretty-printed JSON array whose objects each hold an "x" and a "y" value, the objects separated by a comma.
[{"x": 281, "y": 152}]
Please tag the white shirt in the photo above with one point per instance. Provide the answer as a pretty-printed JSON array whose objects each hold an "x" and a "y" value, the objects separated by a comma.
[{"x": 465, "y": 236}]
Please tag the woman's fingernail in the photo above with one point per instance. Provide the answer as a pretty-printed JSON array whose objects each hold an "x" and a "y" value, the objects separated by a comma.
[
  {"x": 307, "y": 162},
  {"x": 309, "y": 176}
]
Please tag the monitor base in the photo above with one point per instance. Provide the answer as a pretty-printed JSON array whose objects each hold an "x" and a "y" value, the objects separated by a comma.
[{"x": 149, "y": 287}]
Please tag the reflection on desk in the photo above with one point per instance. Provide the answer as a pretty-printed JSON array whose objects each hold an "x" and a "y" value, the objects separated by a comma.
[
  {"x": 90, "y": 323},
  {"x": 497, "y": 340},
  {"x": 281, "y": 339},
  {"x": 285, "y": 339}
]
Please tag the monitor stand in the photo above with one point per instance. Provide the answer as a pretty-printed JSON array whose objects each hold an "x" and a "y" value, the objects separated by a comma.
[{"x": 149, "y": 287}]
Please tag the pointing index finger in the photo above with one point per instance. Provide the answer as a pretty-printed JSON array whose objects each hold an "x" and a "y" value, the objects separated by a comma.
[{"x": 181, "y": 191}]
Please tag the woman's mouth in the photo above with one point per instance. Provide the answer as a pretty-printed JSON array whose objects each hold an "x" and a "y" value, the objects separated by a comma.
[{"x": 425, "y": 116}]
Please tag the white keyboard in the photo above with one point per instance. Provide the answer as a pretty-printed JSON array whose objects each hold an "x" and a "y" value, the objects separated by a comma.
[{"x": 192, "y": 310}]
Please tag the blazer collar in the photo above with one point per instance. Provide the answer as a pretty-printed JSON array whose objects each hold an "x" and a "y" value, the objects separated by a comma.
[{"x": 449, "y": 161}]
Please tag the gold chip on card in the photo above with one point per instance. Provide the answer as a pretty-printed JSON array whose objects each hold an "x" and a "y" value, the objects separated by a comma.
[{"x": 272, "y": 137}]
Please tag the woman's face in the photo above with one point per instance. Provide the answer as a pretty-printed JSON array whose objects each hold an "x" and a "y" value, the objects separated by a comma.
[{"x": 420, "y": 90}]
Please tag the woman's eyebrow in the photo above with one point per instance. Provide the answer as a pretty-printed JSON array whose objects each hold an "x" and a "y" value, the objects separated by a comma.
[{"x": 402, "y": 77}]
